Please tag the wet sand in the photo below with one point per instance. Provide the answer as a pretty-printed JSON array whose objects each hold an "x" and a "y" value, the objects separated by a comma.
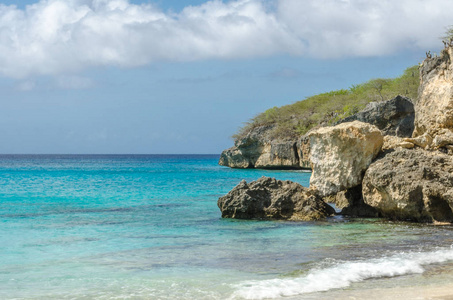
[{"x": 444, "y": 292}]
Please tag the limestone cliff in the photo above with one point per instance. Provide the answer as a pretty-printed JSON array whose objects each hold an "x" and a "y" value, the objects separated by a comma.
[
  {"x": 434, "y": 106},
  {"x": 258, "y": 150}
]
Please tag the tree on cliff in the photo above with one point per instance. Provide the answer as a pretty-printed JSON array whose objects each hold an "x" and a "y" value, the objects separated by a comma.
[{"x": 448, "y": 37}]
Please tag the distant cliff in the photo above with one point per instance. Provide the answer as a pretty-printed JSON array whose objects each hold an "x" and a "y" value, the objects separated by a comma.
[
  {"x": 276, "y": 139},
  {"x": 258, "y": 149}
]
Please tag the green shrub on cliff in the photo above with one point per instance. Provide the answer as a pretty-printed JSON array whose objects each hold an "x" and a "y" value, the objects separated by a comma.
[
  {"x": 448, "y": 34},
  {"x": 296, "y": 119}
]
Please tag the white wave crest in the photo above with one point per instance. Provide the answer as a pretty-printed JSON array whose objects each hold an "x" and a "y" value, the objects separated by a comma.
[{"x": 341, "y": 275}]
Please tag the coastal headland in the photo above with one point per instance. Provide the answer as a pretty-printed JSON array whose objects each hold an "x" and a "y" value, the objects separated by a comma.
[{"x": 371, "y": 158}]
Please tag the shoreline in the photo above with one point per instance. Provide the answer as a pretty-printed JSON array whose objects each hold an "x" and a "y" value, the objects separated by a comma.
[{"x": 435, "y": 283}]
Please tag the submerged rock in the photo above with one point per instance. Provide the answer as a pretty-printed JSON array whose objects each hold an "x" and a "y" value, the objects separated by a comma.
[
  {"x": 393, "y": 117},
  {"x": 341, "y": 154},
  {"x": 412, "y": 185},
  {"x": 268, "y": 198}
]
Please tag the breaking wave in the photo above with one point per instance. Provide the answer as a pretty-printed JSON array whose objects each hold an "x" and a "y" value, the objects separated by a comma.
[{"x": 342, "y": 274}]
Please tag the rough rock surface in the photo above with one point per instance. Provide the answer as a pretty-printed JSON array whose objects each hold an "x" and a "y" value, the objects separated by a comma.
[
  {"x": 392, "y": 142},
  {"x": 424, "y": 141},
  {"x": 434, "y": 106},
  {"x": 392, "y": 117},
  {"x": 278, "y": 155},
  {"x": 268, "y": 198},
  {"x": 257, "y": 150},
  {"x": 412, "y": 185},
  {"x": 303, "y": 151},
  {"x": 341, "y": 154}
]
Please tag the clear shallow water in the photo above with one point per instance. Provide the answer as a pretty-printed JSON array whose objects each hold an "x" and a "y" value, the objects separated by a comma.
[{"x": 148, "y": 227}]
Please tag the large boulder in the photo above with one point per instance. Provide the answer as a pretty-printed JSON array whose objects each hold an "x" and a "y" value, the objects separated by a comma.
[
  {"x": 393, "y": 117},
  {"x": 268, "y": 198},
  {"x": 258, "y": 150},
  {"x": 341, "y": 154},
  {"x": 412, "y": 185},
  {"x": 434, "y": 106}
]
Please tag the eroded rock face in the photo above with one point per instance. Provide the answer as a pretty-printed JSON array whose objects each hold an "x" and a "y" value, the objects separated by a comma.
[
  {"x": 234, "y": 158},
  {"x": 412, "y": 185},
  {"x": 303, "y": 151},
  {"x": 341, "y": 154},
  {"x": 393, "y": 117},
  {"x": 278, "y": 155},
  {"x": 434, "y": 107},
  {"x": 257, "y": 150},
  {"x": 268, "y": 198}
]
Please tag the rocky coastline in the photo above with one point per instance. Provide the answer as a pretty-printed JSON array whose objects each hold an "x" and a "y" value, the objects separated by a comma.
[{"x": 393, "y": 159}]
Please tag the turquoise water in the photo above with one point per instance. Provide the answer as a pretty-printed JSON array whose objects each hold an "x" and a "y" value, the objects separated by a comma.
[{"x": 148, "y": 227}]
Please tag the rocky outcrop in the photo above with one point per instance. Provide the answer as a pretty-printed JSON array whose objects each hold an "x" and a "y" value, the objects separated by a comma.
[
  {"x": 268, "y": 198},
  {"x": 258, "y": 150},
  {"x": 412, "y": 185},
  {"x": 434, "y": 106},
  {"x": 393, "y": 117},
  {"x": 341, "y": 154}
]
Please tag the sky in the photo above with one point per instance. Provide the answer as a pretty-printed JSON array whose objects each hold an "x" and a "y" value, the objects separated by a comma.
[{"x": 182, "y": 76}]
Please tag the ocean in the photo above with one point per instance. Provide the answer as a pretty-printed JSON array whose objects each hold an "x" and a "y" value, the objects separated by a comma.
[{"x": 148, "y": 227}]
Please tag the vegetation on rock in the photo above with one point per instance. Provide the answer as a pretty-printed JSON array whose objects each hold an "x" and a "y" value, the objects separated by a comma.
[{"x": 325, "y": 109}]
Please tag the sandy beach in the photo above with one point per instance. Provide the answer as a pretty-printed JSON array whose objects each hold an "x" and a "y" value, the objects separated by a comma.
[{"x": 444, "y": 292}]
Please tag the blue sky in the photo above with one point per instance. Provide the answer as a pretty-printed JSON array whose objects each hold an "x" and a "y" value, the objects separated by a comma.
[{"x": 117, "y": 76}]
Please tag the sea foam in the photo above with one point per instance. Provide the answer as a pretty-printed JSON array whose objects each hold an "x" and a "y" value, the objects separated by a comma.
[{"x": 341, "y": 274}]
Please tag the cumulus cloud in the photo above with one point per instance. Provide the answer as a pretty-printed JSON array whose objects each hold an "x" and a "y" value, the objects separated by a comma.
[
  {"x": 53, "y": 37},
  {"x": 338, "y": 28}
]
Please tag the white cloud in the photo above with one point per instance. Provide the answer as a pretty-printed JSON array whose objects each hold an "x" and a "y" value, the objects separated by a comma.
[
  {"x": 333, "y": 28},
  {"x": 55, "y": 37}
]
